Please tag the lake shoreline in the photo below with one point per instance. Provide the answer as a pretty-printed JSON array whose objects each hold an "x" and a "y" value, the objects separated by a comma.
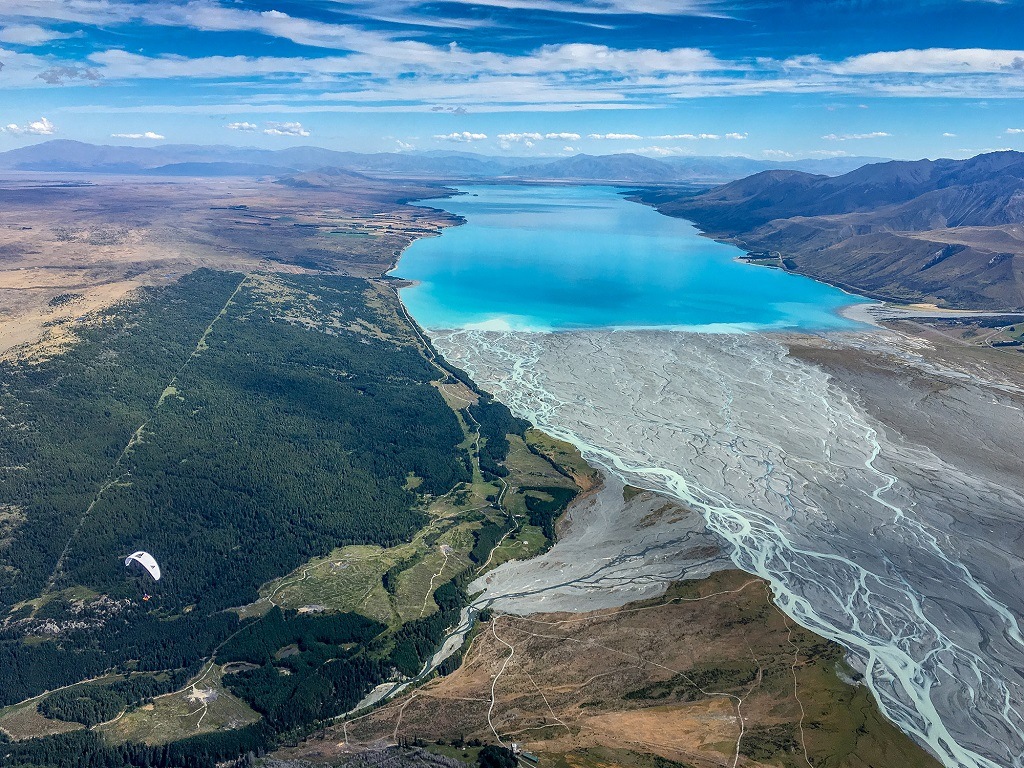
[{"x": 585, "y": 258}]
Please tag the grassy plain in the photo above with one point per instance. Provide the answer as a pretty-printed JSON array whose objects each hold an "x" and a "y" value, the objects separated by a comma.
[
  {"x": 25, "y": 722},
  {"x": 72, "y": 249},
  {"x": 564, "y": 455},
  {"x": 204, "y": 706}
]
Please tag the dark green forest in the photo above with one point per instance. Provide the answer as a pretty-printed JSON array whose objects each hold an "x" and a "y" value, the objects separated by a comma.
[
  {"x": 286, "y": 432},
  {"x": 542, "y": 512},
  {"x": 496, "y": 421},
  {"x": 280, "y": 444},
  {"x": 66, "y": 420},
  {"x": 327, "y": 672},
  {"x": 336, "y": 660},
  {"x": 276, "y": 444},
  {"x": 150, "y": 642}
]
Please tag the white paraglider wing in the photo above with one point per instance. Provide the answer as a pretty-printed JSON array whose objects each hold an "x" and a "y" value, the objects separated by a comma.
[{"x": 147, "y": 561}]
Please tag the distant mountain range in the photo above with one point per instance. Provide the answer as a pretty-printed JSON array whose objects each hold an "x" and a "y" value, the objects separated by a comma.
[
  {"x": 945, "y": 231},
  {"x": 639, "y": 169},
  {"x": 66, "y": 156}
]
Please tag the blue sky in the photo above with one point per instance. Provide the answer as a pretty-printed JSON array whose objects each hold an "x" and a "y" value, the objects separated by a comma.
[{"x": 763, "y": 79}]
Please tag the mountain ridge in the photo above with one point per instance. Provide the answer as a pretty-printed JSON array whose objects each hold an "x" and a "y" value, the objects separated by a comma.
[
  {"x": 68, "y": 156},
  {"x": 944, "y": 231}
]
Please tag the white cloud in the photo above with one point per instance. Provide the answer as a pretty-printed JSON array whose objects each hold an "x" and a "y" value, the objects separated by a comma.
[
  {"x": 658, "y": 151},
  {"x": 575, "y": 57},
  {"x": 737, "y": 136},
  {"x": 550, "y": 78},
  {"x": 615, "y": 136},
  {"x": 152, "y": 135},
  {"x": 395, "y": 57},
  {"x": 529, "y": 139},
  {"x": 201, "y": 15},
  {"x": 40, "y": 127},
  {"x": 777, "y": 154},
  {"x": 696, "y": 136},
  {"x": 243, "y": 126},
  {"x": 206, "y": 15},
  {"x": 829, "y": 153},
  {"x": 1015, "y": 130},
  {"x": 933, "y": 61},
  {"x": 114, "y": 11},
  {"x": 286, "y": 129},
  {"x": 569, "y": 149},
  {"x": 856, "y": 136},
  {"x": 949, "y": 135},
  {"x": 591, "y": 7},
  {"x": 404, "y": 146},
  {"x": 464, "y": 136},
  {"x": 368, "y": 70},
  {"x": 523, "y": 137},
  {"x": 28, "y": 34}
]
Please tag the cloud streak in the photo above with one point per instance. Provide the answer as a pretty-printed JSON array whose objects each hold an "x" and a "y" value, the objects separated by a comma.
[
  {"x": 614, "y": 137},
  {"x": 150, "y": 135},
  {"x": 373, "y": 70},
  {"x": 856, "y": 136},
  {"x": 588, "y": 7},
  {"x": 464, "y": 137},
  {"x": 934, "y": 61},
  {"x": 28, "y": 34}
]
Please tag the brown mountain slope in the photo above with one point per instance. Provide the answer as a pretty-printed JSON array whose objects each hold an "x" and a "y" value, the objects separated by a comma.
[
  {"x": 944, "y": 231},
  {"x": 709, "y": 675}
]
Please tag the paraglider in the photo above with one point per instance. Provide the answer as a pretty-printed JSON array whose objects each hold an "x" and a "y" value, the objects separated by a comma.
[{"x": 146, "y": 560}]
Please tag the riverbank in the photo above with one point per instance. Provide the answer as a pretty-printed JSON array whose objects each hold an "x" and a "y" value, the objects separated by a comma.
[
  {"x": 708, "y": 674},
  {"x": 863, "y": 520}
]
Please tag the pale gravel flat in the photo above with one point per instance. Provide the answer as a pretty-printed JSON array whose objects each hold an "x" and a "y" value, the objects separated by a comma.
[
  {"x": 609, "y": 553},
  {"x": 886, "y": 537}
]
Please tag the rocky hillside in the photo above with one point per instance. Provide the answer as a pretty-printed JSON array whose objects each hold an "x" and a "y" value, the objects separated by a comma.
[{"x": 944, "y": 231}]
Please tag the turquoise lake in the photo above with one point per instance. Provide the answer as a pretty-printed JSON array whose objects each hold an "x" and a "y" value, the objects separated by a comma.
[{"x": 562, "y": 258}]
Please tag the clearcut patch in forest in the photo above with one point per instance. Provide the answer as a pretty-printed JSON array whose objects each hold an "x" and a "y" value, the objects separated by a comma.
[{"x": 205, "y": 705}]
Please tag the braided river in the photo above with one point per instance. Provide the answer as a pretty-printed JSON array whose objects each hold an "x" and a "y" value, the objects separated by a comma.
[{"x": 884, "y": 506}]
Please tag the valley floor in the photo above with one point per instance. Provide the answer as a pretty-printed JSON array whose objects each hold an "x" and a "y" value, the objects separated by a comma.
[{"x": 260, "y": 400}]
